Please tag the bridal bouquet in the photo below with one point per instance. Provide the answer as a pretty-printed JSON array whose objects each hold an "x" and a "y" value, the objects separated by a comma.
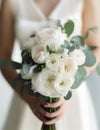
[{"x": 54, "y": 60}]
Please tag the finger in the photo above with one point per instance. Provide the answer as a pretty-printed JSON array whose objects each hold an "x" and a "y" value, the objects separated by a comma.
[
  {"x": 55, "y": 114},
  {"x": 55, "y": 105},
  {"x": 50, "y": 122}
]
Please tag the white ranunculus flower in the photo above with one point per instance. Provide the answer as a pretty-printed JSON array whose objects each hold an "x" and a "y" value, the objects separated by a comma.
[
  {"x": 69, "y": 66},
  {"x": 51, "y": 37},
  {"x": 27, "y": 71},
  {"x": 28, "y": 43},
  {"x": 63, "y": 84},
  {"x": 53, "y": 62},
  {"x": 39, "y": 54},
  {"x": 78, "y": 56},
  {"x": 44, "y": 83}
]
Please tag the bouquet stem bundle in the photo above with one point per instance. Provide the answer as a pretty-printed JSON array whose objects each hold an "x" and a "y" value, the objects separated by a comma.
[{"x": 50, "y": 110}]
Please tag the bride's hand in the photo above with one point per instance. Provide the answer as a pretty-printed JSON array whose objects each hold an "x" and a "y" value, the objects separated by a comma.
[
  {"x": 55, "y": 116},
  {"x": 37, "y": 103}
]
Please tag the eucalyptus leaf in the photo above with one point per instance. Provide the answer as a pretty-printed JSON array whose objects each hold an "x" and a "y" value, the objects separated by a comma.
[
  {"x": 66, "y": 43},
  {"x": 26, "y": 68},
  {"x": 79, "y": 77},
  {"x": 69, "y": 27},
  {"x": 77, "y": 83},
  {"x": 92, "y": 47},
  {"x": 78, "y": 41},
  {"x": 58, "y": 23},
  {"x": 98, "y": 69},
  {"x": 90, "y": 58},
  {"x": 81, "y": 72},
  {"x": 68, "y": 96},
  {"x": 71, "y": 48}
]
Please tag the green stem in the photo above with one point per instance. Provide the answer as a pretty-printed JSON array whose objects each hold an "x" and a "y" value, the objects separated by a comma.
[{"x": 50, "y": 110}]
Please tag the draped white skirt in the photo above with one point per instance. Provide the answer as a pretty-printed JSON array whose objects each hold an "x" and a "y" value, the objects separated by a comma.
[{"x": 79, "y": 114}]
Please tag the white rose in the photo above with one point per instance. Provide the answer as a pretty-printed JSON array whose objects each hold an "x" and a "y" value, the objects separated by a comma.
[
  {"x": 28, "y": 43},
  {"x": 27, "y": 71},
  {"x": 32, "y": 28},
  {"x": 53, "y": 62},
  {"x": 51, "y": 37},
  {"x": 39, "y": 54},
  {"x": 78, "y": 56},
  {"x": 69, "y": 66},
  {"x": 44, "y": 83},
  {"x": 63, "y": 84}
]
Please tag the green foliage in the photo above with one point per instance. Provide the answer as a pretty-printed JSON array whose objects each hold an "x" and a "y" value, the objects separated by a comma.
[
  {"x": 92, "y": 48},
  {"x": 69, "y": 27},
  {"x": 77, "y": 41},
  {"x": 68, "y": 96},
  {"x": 66, "y": 45},
  {"x": 98, "y": 69},
  {"x": 79, "y": 77},
  {"x": 26, "y": 68},
  {"x": 58, "y": 23},
  {"x": 50, "y": 51},
  {"x": 71, "y": 48},
  {"x": 86, "y": 35},
  {"x": 39, "y": 68},
  {"x": 33, "y": 35},
  {"x": 90, "y": 57},
  {"x": 26, "y": 57}
]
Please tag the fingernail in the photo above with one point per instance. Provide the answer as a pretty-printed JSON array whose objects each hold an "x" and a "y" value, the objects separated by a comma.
[{"x": 45, "y": 105}]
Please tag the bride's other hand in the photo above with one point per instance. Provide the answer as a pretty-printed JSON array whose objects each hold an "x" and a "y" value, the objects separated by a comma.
[{"x": 58, "y": 114}]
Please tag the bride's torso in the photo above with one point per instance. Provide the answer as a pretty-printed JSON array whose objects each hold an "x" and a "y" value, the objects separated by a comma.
[{"x": 29, "y": 17}]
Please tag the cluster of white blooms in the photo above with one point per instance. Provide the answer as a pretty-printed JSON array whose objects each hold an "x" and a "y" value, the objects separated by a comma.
[{"x": 58, "y": 76}]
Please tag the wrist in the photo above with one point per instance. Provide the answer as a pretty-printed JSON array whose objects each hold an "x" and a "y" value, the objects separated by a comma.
[{"x": 19, "y": 85}]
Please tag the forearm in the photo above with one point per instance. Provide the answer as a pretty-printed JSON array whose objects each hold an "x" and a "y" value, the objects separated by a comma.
[
  {"x": 91, "y": 18},
  {"x": 11, "y": 75}
]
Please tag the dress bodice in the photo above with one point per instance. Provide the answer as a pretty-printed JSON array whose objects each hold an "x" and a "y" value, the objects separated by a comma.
[{"x": 29, "y": 17}]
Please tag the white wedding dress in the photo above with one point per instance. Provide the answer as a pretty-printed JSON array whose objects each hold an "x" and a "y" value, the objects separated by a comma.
[{"x": 79, "y": 114}]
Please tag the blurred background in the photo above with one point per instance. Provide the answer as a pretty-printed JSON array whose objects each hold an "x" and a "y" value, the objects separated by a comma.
[{"x": 6, "y": 93}]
